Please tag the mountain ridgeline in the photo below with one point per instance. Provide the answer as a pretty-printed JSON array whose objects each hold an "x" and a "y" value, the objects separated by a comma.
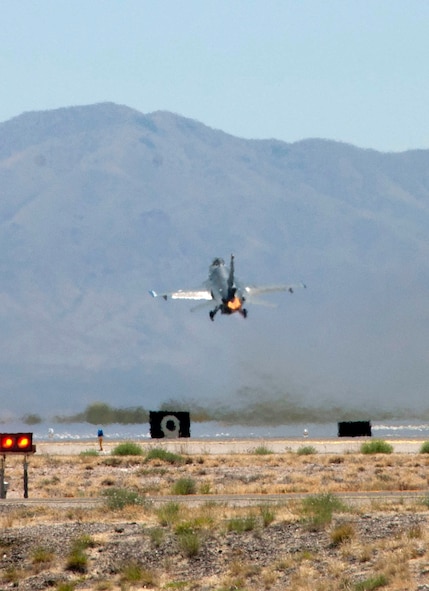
[{"x": 101, "y": 203}]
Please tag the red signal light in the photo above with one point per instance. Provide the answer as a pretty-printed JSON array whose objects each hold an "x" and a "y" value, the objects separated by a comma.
[
  {"x": 16, "y": 442},
  {"x": 23, "y": 442},
  {"x": 7, "y": 442}
]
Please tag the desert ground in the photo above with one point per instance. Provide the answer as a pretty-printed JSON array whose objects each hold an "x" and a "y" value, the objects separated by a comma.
[{"x": 106, "y": 521}]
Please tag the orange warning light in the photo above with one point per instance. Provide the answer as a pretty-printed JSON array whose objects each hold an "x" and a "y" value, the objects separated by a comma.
[
  {"x": 16, "y": 442},
  {"x": 7, "y": 442}
]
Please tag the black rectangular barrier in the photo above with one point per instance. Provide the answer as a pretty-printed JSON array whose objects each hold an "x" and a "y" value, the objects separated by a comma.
[
  {"x": 169, "y": 424},
  {"x": 354, "y": 429}
]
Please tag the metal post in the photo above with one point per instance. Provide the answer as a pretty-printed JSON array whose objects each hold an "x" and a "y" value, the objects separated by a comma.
[
  {"x": 25, "y": 478},
  {"x": 2, "y": 487}
]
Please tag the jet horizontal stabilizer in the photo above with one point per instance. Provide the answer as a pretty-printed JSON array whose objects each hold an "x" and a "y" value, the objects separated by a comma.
[{"x": 156, "y": 295}]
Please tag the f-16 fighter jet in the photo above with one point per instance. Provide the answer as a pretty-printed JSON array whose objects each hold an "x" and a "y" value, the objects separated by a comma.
[{"x": 225, "y": 291}]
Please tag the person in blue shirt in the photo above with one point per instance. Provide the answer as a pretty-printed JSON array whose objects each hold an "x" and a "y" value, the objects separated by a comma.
[{"x": 100, "y": 435}]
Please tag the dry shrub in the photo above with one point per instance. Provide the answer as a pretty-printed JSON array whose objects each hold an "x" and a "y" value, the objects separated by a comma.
[
  {"x": 342, "y": 532},
  {"x": 134, "y": 574}
]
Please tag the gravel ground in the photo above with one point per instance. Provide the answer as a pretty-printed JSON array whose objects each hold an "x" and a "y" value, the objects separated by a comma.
[
  {"x": 374, "y": 545},
  {"x": 274, "y": 557}
]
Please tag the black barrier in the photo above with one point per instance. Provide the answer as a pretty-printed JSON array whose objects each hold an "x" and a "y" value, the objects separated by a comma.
[
  {"x": 354, "y": 429},
  {"x": 169, "y": 424}
]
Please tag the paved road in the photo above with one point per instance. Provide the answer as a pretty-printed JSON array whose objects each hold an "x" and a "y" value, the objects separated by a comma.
[
  {"x": 355, "y": 498},
  {"x": 232, "y": 446}
]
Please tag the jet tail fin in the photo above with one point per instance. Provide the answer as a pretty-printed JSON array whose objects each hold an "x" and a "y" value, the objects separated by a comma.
[{"x": 231, "y": 274}]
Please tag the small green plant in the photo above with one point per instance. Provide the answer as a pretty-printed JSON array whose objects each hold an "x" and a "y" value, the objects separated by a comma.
[
  {"x": 415, "y": 532},
  {"x": 118, "y": 498},
  {"x": 158, "y": 453},
  {"x": 371, "y": 583},
  {"x": 184, "y": 486},
  {"x": 188, "y": 540},
  {"x": 77, "y": 560},
  {"x": 242, "y": 524},
  {"x": 89, "y": 453},
  {"x": 156, "y": 536},
  {"x": 168, "y": 513},
  {"x": 267, "y": 514},
  {"x": 318, "y": 510},
  {"x": 85, "y": 541},
  {"x": 133, "y": 573},
  {"x": 376, "y": 446},
  {"x": 205, "y": 488},
  {"x": 51, "y": 481},
  {"x": 11, "y": 575},
  {"x": 42, "y": 555},
  {"x": 262, "y": 450},
  {"x": 177, "y": 585},
  {"x": 66, "y": 586},
  {"x": 424, "y": 449},
  {"x": 128, "y": 448},
  {"x": 306, "y": 450}
]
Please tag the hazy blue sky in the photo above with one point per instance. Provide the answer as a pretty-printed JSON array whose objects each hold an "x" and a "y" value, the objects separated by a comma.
[{"x": 350, "y": 70}]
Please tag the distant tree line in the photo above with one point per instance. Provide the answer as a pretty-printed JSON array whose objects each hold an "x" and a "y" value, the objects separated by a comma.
[
  {"x": 100, "y": 413},
  {"x": 250, "y": 412},
  {"x": 31, "y": 419}
]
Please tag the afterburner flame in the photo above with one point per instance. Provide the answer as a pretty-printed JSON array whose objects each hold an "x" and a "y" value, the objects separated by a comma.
[{"x": 234, "y": 304}]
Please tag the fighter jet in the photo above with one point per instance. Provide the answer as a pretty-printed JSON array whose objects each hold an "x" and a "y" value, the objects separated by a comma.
[{"x": 222, "y": 288}]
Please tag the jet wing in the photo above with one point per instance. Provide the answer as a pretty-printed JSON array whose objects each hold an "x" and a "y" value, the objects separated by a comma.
[
  {"x": 256, "y": 290},
  {"x": 198, "y": 294}
]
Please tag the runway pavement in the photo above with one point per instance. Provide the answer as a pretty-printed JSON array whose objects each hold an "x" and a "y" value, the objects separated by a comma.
[
  {"x": 231, "y": 500},
  {"x": 230, "y": 446}
]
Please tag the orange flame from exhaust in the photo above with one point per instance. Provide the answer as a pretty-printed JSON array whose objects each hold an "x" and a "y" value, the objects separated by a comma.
[{"x": 234, "y": 304}]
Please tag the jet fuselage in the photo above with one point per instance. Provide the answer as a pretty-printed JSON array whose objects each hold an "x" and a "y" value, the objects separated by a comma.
[{"x": 223, "y": 289}]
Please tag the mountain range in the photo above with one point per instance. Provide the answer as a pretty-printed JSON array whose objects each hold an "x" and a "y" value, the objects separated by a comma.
[{"x": 101, "y": 203}]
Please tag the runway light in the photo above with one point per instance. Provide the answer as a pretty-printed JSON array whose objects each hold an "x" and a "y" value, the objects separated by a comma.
[
  {"x": 7, "y": 442},
  {"x": 16, "y": 442},
  {"x": 23, "y": 442}
]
